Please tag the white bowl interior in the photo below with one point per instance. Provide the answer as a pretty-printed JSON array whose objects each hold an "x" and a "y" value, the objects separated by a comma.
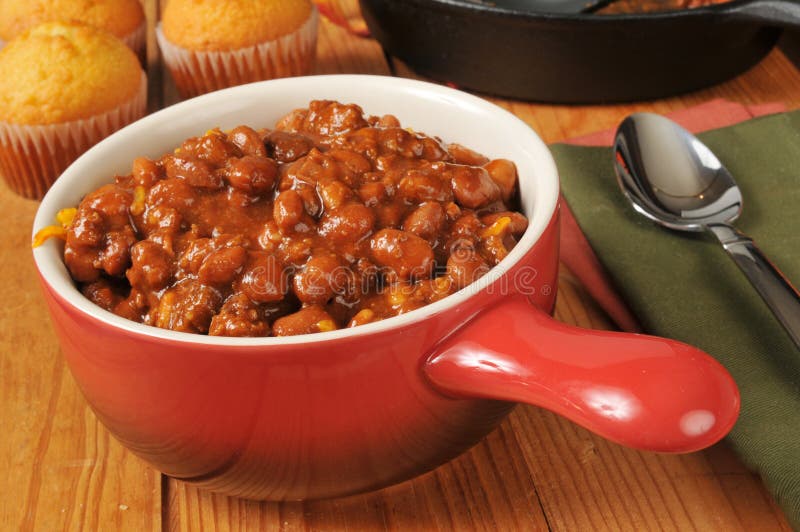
[{"x": 453, "y": 115}]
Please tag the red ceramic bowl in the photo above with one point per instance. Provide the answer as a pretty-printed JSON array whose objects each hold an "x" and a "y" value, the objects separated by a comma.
[{"x": 351, "y": 410}]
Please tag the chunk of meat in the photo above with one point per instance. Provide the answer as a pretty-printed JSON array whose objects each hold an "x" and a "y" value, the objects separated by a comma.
[
  {"x": 239, "y": 316},
  {"x": 188, "y": 306}
]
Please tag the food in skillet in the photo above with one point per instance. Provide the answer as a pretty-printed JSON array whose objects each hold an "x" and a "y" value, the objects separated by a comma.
[
  {"x": 330, "y": 220},
  {"x": 650, "y": 6}
]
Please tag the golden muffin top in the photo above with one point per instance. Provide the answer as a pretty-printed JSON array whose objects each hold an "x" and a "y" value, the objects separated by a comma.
[
  {"x": 120, "y": 17},
  {"x": 231, "y": 24},
  {"x": 58, "y": 72}
]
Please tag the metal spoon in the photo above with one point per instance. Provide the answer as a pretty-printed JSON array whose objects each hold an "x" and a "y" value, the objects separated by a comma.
[
  {"x": 675, "y": 180},
  {"x": 545, "y": 6}
]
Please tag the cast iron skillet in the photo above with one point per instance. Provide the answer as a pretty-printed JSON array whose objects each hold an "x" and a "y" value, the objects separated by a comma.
[{"x": 578, "y": 58}]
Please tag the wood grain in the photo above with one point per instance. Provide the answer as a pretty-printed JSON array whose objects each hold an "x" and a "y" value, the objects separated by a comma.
[
  {"x": 61, "y": 468},
  {"x": 535, "y": 472}
]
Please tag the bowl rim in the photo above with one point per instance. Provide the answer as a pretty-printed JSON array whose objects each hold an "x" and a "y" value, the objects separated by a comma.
[{"x": 52, "y": 271}]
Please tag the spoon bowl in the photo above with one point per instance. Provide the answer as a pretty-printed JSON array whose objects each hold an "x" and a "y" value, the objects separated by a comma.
[{"x": 674, "y": 179}]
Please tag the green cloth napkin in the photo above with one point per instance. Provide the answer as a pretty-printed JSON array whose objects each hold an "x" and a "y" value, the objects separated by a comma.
[{"x": 684, "y": 286}]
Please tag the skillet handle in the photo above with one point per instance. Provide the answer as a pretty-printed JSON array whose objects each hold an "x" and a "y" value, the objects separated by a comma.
[
  {"x": 640, "y": 391},
  {"x": 782, "y": 13}
]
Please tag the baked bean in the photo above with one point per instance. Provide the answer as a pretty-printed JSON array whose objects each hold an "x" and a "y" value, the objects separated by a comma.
[
  {"x": 465, "y": 266},
  {"x": 318, "y": 281},
  {"x": 264, "y": 279},
  {"x": 391, "y": 214},
  {"x": 237, "y": 198},
  {"x": 504, "y": 173},
  {"x": 494, "y": 249},
  {"x": 163, "y": 218},
  {"x": 361, "y": 141},
  {"x": 112, "y": 203},
  {"x": 372, "y": 193},
  {"x": 472, "y": 186},
  {"x": 311, "y": 201},
  {"x": 467, "y": 225},
  {"x": 349, "y": 223},
  {"x": 193, "y": 255},
  {"x": 289, "y": 213},
  {"x": 134, "y": 307},
  {"x": 410, "y": 145},
  {"x": 287, "y": 147},
  {"x": 351, "y": 164},
  {"x": 334, "y": 194},
  {"x": 81, "y": 264},
  {"x": 222, "y": 266},
  {"x": 252, "y": 174},
  {"x": 432, "y": 290},
  {"x": 194, "y": 172},
  {"x": 464, "y": 155},
  {"x": 417, "y": 187},
  {"x": 305, "y": 321},
  {"x": 270, "y": 236},
  {"x": 402, "y": 297},
  {"x": 296, "y": 251},
  {"x": 388, "y": 121},
  {"x": 146, "y": 172},
  {"x": 174, "y": 193},
  {"x": 452, "y": 211},
  {"x": 405, "y": 254},
  {"x": 401, "y": 142},
  {"x": 293, "y": 121},
  {"x": 362, "y": 318},
  {"x": 87, "y": 230},
  {"x": 116, "y": 257},
  {"x": 101, "y": 293},
  {"x": 248, "y": 141},
  {"x": 425, "y": 221},
  {"x": 211, "y": 148},
  {"x": 314, "y": 167}
]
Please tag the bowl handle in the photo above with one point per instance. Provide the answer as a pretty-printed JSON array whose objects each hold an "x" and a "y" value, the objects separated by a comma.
[{"x": 641, "y": 391}]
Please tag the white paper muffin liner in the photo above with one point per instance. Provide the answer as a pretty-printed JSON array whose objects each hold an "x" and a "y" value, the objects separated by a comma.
[
  {"x": 33, "y": 156},
  {"x": 198, "y": 72}
]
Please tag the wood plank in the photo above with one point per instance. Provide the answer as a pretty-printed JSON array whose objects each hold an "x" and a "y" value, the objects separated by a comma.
[{"x": 61, "y": 468}]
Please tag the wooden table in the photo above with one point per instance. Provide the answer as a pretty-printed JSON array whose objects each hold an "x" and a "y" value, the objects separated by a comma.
[{"x": 535, "y": 472}]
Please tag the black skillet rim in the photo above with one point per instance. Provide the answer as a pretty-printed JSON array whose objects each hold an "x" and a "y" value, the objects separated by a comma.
[{"x": 475, "y": 8}]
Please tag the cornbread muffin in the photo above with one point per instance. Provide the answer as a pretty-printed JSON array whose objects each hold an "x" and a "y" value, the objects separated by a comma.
[
  {"x": 64, "y": 87},
  {"x": 123, "y": 18},
  {"x": 213, "y": 44}
]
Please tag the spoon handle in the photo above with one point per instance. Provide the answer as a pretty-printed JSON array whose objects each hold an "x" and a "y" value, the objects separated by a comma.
[{"x": 781, "y": 297}]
